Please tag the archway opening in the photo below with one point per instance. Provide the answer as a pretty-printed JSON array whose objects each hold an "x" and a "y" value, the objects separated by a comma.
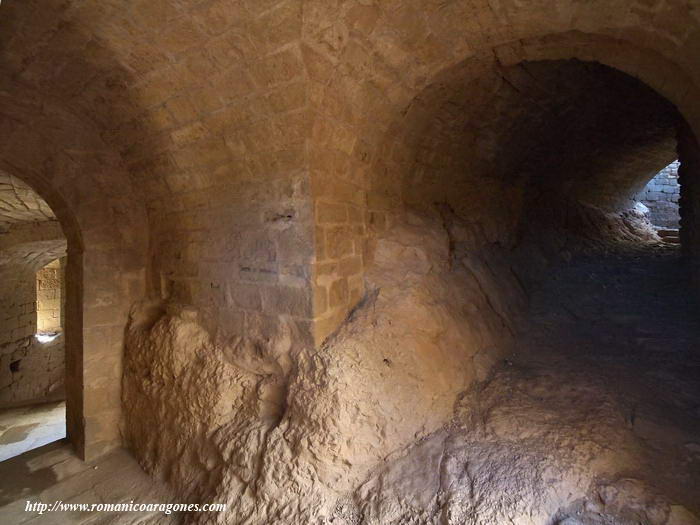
[
  {"x": 660, "y": 199},
  {"x": 33, "y": 252},
  {"x": 508, "y": 196}
]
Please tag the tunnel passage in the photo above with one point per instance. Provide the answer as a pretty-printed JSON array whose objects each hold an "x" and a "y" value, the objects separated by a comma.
[
  {"x": 517, "y": 143},
  {"x": 498, "y": 142},
  {"x": 494, "y": 178},
  {"x": 515, "y": 168}
]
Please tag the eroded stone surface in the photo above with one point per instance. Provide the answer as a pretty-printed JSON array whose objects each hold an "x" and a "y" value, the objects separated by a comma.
[
  {"x": 584, "y": 423},
  {"x": 285, "y": 432}
]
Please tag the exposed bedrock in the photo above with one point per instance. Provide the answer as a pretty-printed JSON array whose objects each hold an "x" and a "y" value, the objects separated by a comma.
[
  {"x": 586, "y": 423},
  {"x": 285, "y": 431},
  {"x": 283, "y": 423}
]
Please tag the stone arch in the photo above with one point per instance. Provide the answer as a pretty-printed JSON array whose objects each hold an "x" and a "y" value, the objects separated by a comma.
[
  {"x": 65, "y": 161},
  {"x": 359, "y": 145}
]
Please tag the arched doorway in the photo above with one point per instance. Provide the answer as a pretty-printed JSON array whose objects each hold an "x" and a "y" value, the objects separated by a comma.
[
  {"x": 105, "y": 266},
  {"x": 32, "y": 363}
]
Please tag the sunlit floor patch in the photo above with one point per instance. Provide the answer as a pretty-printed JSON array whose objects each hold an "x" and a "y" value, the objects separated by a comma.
[{"x": 26, "y": 428}]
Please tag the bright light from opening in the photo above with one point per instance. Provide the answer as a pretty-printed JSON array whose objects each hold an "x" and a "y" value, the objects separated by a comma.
[{"x": 45, "y": 338}]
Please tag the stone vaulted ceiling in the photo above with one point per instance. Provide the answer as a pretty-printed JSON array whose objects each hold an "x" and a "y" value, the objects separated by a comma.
[{"x": 19, "y": 203}]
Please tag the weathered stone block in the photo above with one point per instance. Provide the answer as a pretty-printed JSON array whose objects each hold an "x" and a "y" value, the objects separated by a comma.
[
  {"x": 339, "y": 241},
  {"x": 287, "y": 300},
  {"x": 338, "y": 294},
  {"x": 329, "y": 213}
]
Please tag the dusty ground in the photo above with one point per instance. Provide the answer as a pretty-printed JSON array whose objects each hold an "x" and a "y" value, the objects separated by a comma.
[
  {"x": 594, "y": 420},
  {"x": 53, "y": 473}
]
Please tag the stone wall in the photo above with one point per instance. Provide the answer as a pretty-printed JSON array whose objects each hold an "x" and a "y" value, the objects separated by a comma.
[
  {"x": 33, "y": 372},
  {"x": 49, "y": 297},
  {"x": 30, "y": 371},
  {"x": 661, "y": 196},
  {"x": 18, "y": 318},
  {"x": 432, "y": 322}
]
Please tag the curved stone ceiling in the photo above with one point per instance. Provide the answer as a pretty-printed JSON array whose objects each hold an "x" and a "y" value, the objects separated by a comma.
[{"x": 19, "y": 203}]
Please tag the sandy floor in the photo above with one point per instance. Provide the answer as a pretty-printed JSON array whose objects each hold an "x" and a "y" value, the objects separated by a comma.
[{"x": 25, "y": 428}]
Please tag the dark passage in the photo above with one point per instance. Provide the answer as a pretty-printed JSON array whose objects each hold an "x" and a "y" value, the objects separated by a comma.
[{"x": 605, "y": 376}]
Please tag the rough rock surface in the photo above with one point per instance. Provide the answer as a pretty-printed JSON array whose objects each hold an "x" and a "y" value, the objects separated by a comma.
[
  {"x": 32, "y": 371},
  {"x": 287, "y": 430},
  {"x": 591, "y": 420},
  {"x": 377, "y": 425}
]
